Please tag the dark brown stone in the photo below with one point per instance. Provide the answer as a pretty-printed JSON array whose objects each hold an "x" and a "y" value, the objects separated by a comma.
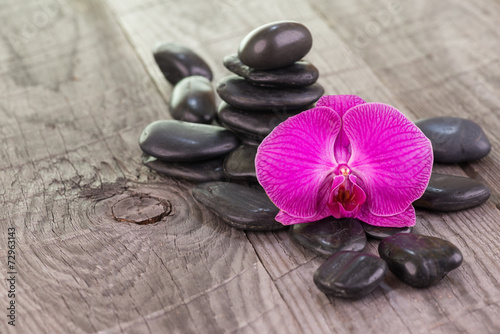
[
  {"x": 299, "y": 74},
  {"x": 193, "y": 100},
  {"x": 419, "y": 260},
  {"x": 275, "y": 45},
  {"x": 178, "y": 141},
  {"x": 177, "y": 62},
  {"x": 239, "y": 93},
  {"x": 239, "y": 206},
  {"x": 451, "y": 193}
]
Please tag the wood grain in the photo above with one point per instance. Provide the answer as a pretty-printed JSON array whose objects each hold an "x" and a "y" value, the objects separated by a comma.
[{"x": 78, "y": 84}]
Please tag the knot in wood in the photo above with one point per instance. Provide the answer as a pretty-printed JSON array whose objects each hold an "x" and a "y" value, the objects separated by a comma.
[{"x": 141, "y": 209}]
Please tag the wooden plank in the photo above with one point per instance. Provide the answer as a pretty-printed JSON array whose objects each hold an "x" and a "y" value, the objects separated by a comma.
[
  {"x": 73, "y": 100},
  {"x": 399, "y": 53},
  {"x": 74, "y": 97}
]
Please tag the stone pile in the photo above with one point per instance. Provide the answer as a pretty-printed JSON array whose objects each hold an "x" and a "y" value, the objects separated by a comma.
[{"x": 271, "y": 82}]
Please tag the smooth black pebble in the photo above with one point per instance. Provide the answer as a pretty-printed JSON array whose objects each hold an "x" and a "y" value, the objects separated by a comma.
[
  {"x": 178, "y": 141},
  {"x": 177, "y": 62},
  {"x": 350, "y": 274},
  {"x": 330, "y": 235},
  {"x": 275, "y": 45},
  {"x": 252, "y": 125},
  {"x": 451, "y": 193},
  {"x": 202, "y": 171},
  {"x": 299, "y": 74},
  {"x": 380, "y": 232},
  {"x": 455, "y": 139},
  {"x": 193, "y": 100},
  {"x": 240, "y": 163},
  {"x": 419, "y": 260},
  {"x": 239, "y": 93},
  {"x": 239, "y": 206}
]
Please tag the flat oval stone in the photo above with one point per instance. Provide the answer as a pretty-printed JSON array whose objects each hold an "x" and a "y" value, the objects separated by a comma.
[
  {"x": 239, "y": 206},
  {"x": 455, "y": 139},
  {"x": 202, "y": 171},
  {"x": 177, "y": 62},
  {"x": 193, "y": 100},
  {"x": 350, "y": 274},
  {"x": 178, "y": 141},
  {"x": 419, "y": 260},
  {"x": 240, "y": 163},
  {"x": 299, "y": 74},
  {"x": 330, "y": 235},
  {"x": 252, "y": 124},
  {"x": 239, "y": 93},
  {"x": 451, "y": 193},
  {"x": 275, "y": 45},
  {"x": 380, "y": 232}
]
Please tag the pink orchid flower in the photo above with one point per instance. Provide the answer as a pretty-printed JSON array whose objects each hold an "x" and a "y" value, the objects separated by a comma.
[{"x": 345, "y": 158}]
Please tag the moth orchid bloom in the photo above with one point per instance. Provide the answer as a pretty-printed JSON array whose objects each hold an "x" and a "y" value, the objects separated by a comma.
[{"x": 347, "y": 159}]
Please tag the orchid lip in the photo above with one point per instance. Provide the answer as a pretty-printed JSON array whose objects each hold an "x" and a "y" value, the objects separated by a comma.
[{"x": 346, "y": 197}]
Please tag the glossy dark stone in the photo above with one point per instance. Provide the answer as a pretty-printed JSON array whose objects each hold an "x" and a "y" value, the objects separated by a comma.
[
  {"x": 379, "y": 232},
  {"x": 419, "y": 260},
  {"x": 455, "y": 139},
  {"x": 177, "y": 62},
  {"x": 275, "y": 45},
  {"x": 193, "y": 100},
  {"x": 178, "y": 141},
  {"x": 239, "y": 206},
  {"x": 239, "y": 93},
  {"x": 330, "y": 235},
  {"x": 202, "y": 171},
  {"x": 299, "y": 74},
  {"x": 252, "y": 124},
  {"x": 452, "y": 193},
  {"x": 350, "y": 274},
  {"x": 240, "y": 164}
]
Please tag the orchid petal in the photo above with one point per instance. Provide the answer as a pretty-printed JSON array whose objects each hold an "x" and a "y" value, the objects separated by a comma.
[
  {"x": 389, "y": 154},
  {"x": 285, "y": 219},
  {"x": 294, "y": 161},
  {"x": 341, "y": 104},
  {"x": 403, "y": 219}
]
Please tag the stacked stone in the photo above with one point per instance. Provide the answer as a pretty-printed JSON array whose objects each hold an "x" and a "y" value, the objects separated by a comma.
[
  {"x": 271, "y": 83},
  {"x": 193, "y": 97},
  {"x": 187, "y": 147}
]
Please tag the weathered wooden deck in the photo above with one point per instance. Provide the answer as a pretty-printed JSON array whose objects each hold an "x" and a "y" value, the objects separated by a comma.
[{"x": 78, "y": 83}]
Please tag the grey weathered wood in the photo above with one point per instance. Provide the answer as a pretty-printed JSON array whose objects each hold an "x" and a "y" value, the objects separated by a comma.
[
  {"x": 78, "y": 84},
  {"x": 74, "y": 99}
]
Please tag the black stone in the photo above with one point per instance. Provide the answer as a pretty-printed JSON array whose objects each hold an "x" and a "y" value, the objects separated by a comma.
[
  {"x": 452, "y": 193},
  {"x": 299, "y": 74},
  {"x": 177, "y": 62},
  {"x": 380, "y": 232},
  {"x": 178, "y": 141},
  {"x": 239, "y": 206},
  {"x": 350, "y": 274},
  {"x": 252, "y": 125},
  {"x": 193, "y": 100},
  {"x": 202, "y": 171},
  {"x": 275, "y": 45},
  {"x": 239, "y": 93},
  {"x": 330, "y": 235},
  {"x": 419, "y": 260},
  {"x": 455, "y": 139},
  {"x": 240, "y": 164}
]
